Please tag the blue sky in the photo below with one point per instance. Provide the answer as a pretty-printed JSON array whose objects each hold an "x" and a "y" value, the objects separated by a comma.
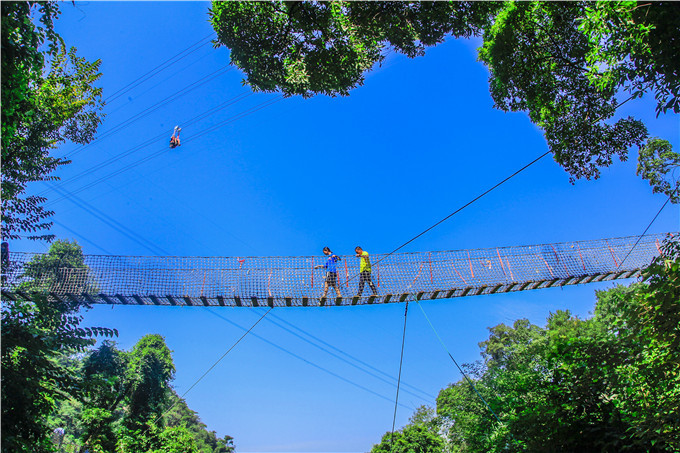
[{"x": 417, "y": 141}]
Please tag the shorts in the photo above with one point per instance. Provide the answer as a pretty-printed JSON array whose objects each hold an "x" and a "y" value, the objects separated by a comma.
[{"x": 332, "y": 278}]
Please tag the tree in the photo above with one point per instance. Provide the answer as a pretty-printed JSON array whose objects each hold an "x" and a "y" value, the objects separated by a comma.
[
  {"x": 149, "y": 372},
  {"x": 157, "y": 439},
  {"x": 310, "y": 48},
  {"x": 62, "y": 270},
  {"x": 645, "y": 319},
  {"x": 36, "y": 334},
  {"x": 104, "y": 388},
  {"x": 411, "y": 439},
  {"x": 206, "y": 441},
  {"x": 656, "y": 161},
  {"x": 48, "y": 97},
  {"x": 564, "y": 63},
  {"x": 110, "y": 415}
]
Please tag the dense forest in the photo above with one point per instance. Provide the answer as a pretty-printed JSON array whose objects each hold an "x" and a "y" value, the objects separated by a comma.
[
  {"x": 61, "y": 393},
  {"x": 608, "y": 383}
]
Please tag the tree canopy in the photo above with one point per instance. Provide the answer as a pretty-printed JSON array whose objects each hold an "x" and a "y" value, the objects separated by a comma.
[
  {"x": 48, "y": 97},
  {"x": 566, "y": 64}
]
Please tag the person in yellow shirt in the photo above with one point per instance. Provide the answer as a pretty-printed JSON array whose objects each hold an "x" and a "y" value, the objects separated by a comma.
[{"x": 364, "y": 271}]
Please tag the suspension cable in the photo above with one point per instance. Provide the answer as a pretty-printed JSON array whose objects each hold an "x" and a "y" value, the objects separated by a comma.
[
  {"x": 213, "y": 366},
  {"x": 401, "y": 361},
  {"x": 458, "y": 366},
  {"x": 648, "y": 226}
]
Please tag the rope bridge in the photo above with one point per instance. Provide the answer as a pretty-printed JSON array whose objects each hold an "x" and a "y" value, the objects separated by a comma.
[{"x": 293, "y": 281}]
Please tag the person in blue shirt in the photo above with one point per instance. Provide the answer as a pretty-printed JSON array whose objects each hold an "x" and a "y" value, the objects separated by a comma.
[{"x": 331, "y": 267}]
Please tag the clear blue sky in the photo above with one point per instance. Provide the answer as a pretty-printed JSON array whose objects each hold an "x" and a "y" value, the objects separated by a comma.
[{"x": 416, "y": 142}]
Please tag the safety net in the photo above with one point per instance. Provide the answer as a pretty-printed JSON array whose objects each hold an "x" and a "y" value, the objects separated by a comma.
[{"x": 302, "y": 280}]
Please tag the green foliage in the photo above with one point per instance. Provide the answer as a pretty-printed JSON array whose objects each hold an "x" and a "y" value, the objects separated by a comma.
[
  {"x": 425, "y": 416},
  {"x": 635, "y": 45},
  {"x": 655, "y": 161},
  {"x": 561, "y": 62},
  {"x": 414, "y": 438},
  {"x": 103, "y": 384},
  {"x": 610, "y": 383},
  {"x": 149, "y": 372},
  {"x": 537, "y": 58},
  {"x": 309, "y": 48},
  {"x": 206, "y": 441},
  {"x": 48, "y": 97},
  {"x": 123, "y": 396},
  {"x": 36, "y": 334},
  {"x": 61, "y": 270},
  {"x": 176, "y": 439},
  {"x": 649, "y": 326}
]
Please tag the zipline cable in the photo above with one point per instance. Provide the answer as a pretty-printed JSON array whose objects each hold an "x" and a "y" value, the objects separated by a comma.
[
  {"x": 648, "y": 226},
  {"x": 219, "y": 125},
  {"x": 458, "y": 366},
  {"x": 149, "y": 110},
  {"x": 367, "y": 365},
  {"x": 153, "y": 87},
  {"x": 164, "y": 149},
  {"x": 82, "y": 237},
  {"x": 167, "y": 63},
  {"x": 401, "y": 361},
  {"x": 343, "y": 359},
  {"x": 153, "y": 140},
  {"x": 153, "y": 248},
  {"x": 211, "y": 367},
  {"x": 237, "y": 117},
  {"x": 308, "y": 362}
]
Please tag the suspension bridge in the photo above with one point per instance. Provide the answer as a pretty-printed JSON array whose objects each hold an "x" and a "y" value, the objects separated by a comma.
[{"x": 294, "y": 281}]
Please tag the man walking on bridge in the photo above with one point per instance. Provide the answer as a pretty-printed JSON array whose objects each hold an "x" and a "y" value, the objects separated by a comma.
[
  {"x": 331, "y": 267},
  {"x": 364, "y": 271}
]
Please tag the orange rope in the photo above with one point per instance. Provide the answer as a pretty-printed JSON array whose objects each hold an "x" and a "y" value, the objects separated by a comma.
[
  {"x": 346, "y": 273},
  {"x": 461, "y": 277},
  {"x": 579, "y": 254},
  {"x": 421, "y": 268},
  {"x": 547, "y": 265},
  {"x": 501, "y": 260},
  {"x": 564, "y": 263},
  {"x": 508, "y": 263},
  {"x": 612, "y": 252}
]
